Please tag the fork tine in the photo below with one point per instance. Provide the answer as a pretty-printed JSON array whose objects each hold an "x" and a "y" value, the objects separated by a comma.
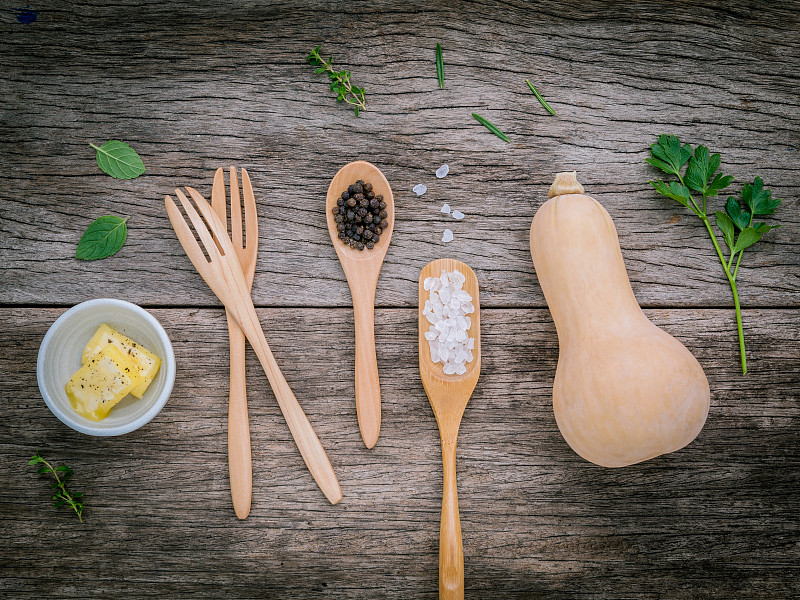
[
  {"x": 217, "y": 227},
  {"x": 236, "y": 211},
  {"x": 218, "y": 202},
  {"x": 200, "y": 226},
  {"x": 250, "y": 217},
  {"x": 185, "y": 236}
]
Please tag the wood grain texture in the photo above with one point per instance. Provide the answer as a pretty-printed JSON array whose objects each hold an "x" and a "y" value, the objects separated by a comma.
[
  {"x": 714, "y": 520},
  {"x": 195, "y": 86}
]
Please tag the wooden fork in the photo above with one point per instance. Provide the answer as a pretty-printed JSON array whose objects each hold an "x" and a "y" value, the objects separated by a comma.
[
  {"x": 239, "y": 455},
  {"x": 223, "y": 274}
]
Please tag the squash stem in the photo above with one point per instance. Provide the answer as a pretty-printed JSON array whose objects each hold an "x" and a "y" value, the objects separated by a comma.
[{"x": 732, "y": 281}]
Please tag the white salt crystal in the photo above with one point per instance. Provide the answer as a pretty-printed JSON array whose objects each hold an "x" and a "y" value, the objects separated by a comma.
[
  {"x": 447, "y": 236},
  {"x": 458, "y": 215},
  {"x": 448, "y": 333},
  {"x": 420, "y": 189},
  {"x": 443, "y": 170},
  {"x": 446, "y": 208}
]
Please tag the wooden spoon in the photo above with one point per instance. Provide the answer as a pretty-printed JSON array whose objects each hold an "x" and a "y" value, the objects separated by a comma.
[
  {"x": 448, "y": 395},
  {"x": 361, "y": 267}
]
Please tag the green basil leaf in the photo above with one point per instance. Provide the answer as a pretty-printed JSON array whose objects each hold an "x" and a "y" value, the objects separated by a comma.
[
  {"x": 119, "y": 160},
  {"x": 103, "y": 238}
]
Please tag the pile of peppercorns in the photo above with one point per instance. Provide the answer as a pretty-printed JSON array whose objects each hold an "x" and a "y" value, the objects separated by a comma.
[{"x": 360, "y": 216}]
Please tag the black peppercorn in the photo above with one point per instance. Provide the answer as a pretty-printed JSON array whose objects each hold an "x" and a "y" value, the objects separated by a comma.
[
  {"x": 340, "y": 202},
  {"x": 367, "y": 234},
  {"x": 338, "y": 218},
  {"x": 341, "y": 235},
  {"x": 371, "y": 196},
  {"x": 370, "y": 245},
  {"x": 363, "y": 203},
  {"x": 383, "y": 214},
  {"x": 358, "y": 188},
  {"x": 367, "y": 187},
  {"x": 360, "y": 245},
  {"x": 368, "y": 218},
  {"x": 359, "y": 230},
  {"x": 376, "y": 238},
  {"x": 384, "y": 224},
  {"x": 357, "y": 237},
  {"x": 362, "y": 212},
  {"x": 335, "y": 210},
  {"x": 379, "y": 197},
  {"x": 382, "y": 204},
  {"x": 378, "y": 230},
  {"x": 345, "y": 195},
  {"x": 340, "y": 227},
  {"x": 350, "y": 215},
  {"x": 373, "y": 203},
  {"x": 351, "y": 202}
]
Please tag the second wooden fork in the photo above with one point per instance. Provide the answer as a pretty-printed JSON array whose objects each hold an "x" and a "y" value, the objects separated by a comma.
[{"x": 239, "y": 456}]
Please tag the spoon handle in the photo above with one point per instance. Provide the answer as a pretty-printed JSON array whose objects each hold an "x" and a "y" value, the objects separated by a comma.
[
  {"x": 239, "y": 454},
  {"x": 451, "y": 552},
  {"x": 368, "y": 389}
]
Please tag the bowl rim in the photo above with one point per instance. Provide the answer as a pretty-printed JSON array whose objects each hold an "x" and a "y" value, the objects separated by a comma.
[{"x": 168, "y": 362}]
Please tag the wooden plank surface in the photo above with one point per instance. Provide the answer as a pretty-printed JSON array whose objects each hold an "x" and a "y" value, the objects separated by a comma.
[
  {"x": 714, "y": 520},
  {"x": 194, "y": 86}
]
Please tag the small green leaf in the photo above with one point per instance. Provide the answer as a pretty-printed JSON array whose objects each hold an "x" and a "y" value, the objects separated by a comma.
[
  {"x": 701, "y": 169},
  {"x": 673, "y": 190},
  {"x": 439, "y": 66},
  {"x": 669, "y": 151},
  {"x": 119, "y": 160},
  {"x": 35, "y": 460},
  {"x": 103, "y": 238},
  {"x": 747, "y": 238},
  {"x": 541, "y": 100},
  {"x": 319, "y": 70},
  {"x": 740, "y": 218},
  {"x": 763, "y": 227},
  {"x": 77, "y": 495},
  {"x": 720, "y": 182},
  {"x": 355, "y": 110},
  {"x": 491, "y": 127},
  {"x": 725, "y": 225},
  {"x": 43, "y": 470},
  {"x": 758, "y": 199}
]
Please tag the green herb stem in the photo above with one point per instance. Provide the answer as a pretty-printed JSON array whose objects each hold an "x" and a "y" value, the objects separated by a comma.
[
  {"x": 62, "y": 495},
  {"x": 491, "y": 127},
  {"x": 539, "y": 97},
  {"x": 439, "y": 66}
]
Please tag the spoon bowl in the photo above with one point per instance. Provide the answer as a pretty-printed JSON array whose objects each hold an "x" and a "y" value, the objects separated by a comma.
[
  {"x": 361, "y": 268},
  {"x": 448, "y": 395}
]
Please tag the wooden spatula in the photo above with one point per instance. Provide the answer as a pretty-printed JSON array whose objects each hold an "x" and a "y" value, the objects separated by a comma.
[{"x": 448, "y": 395}]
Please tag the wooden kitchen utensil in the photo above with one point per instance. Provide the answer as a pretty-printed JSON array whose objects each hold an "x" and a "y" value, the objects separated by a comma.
[
  {"x": 361, "y": 267},
  {"x": 223, "y": 273},
  {"x": 448, "y": 395},
  {"x": 239, "y": 455}
]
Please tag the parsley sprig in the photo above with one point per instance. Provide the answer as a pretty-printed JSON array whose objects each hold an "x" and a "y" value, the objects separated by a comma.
[
  {"x": 340, "y": 81},
  {"x": 701, "y": 178},
  {"x": 62, "y": 494}
]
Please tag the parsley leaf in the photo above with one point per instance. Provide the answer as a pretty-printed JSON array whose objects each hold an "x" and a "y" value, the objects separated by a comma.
[
  {"x": 668, "y": 154},
  {"x": 758, "y": 199}
]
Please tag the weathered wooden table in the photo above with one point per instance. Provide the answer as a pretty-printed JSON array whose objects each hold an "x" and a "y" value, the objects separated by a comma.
[{"x": 196, "y": 86}]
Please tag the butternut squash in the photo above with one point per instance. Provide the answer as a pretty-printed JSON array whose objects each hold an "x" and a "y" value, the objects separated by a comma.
[{"x": 625, "y": 391}]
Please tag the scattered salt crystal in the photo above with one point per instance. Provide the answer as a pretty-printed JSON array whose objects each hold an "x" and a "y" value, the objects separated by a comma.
[
  {"x": 447, "y": 236},
  {"x": 443, "y": 170},
  {"x": 458, "y": 215},
  {"x": 420, "y": 189},
  {"x": 448, "y": 333},
  {"x": 446, "y": 208}
]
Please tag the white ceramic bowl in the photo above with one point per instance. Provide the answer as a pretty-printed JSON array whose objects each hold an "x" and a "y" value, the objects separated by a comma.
[{"x": 60, "y": 356}]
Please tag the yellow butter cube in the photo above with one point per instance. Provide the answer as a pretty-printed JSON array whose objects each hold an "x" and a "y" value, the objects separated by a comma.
[
  {"x": 146, "y": 363},
  {"x": 100, "y": 384}
]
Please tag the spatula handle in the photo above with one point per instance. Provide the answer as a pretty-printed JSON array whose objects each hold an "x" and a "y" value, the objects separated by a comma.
[
  {"x": 368, "y": 388},
  {"x": 451, "y": 551},
  {"x": 239, "y": 454},
  {"x": 303, "y": 433}
]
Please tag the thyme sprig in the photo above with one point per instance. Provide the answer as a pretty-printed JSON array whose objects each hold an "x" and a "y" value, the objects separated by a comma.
[
  {"x": 340, "y": 81},
  {"x": 62, "y": 494}
]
